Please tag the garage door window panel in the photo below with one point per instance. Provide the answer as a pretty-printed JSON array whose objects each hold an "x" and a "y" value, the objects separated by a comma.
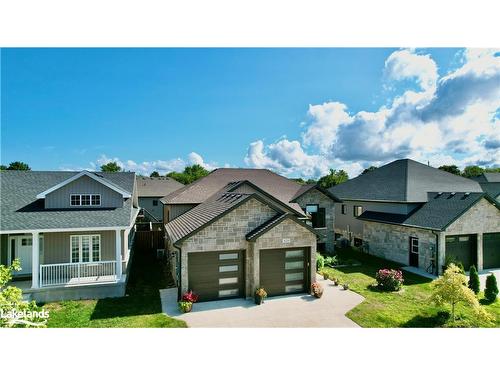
[
  {"x": 296, "y": 265},
  {"x": 230, "y": 268},
  {"x": 295, "y": 276},
  {"x": 228, "y": 280}
]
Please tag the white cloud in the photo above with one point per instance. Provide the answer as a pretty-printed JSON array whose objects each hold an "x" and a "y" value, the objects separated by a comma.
[{"x": 453, "y": 120}]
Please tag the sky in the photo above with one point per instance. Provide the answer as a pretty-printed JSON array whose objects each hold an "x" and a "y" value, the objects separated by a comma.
[{"x": 298, "y": 112}]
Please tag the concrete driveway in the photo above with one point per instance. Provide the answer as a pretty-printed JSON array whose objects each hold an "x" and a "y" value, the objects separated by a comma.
[{"x": 301, "y": 310}]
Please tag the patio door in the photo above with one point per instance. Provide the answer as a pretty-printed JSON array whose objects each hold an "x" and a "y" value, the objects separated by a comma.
[{"x": 414, "y": 251}]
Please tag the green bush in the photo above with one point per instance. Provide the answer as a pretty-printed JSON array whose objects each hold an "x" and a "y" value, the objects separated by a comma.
[
  {"x": 474, "y": 284},
  {"x": 331, "y": 261},
  {"x": 491, "y": 291},
  {"x": 320, "y": 261}
]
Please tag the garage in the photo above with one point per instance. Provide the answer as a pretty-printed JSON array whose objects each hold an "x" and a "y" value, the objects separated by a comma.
[
  {"x": 463, "y": 249},
  {"x": 284, "y": 271},
  {"x": 217, "y": 274},
  {"x": 491, "y": 250}
]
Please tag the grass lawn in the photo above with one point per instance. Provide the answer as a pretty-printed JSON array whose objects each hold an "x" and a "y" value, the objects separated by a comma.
[
  {"x": 409, "y": 307},
  {"x": 140, "y": 308}
]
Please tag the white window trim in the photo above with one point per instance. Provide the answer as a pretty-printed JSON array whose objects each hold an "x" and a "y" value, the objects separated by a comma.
[
  {"x": 80, "y": 248},
  {"x": 86, "y": 205}
]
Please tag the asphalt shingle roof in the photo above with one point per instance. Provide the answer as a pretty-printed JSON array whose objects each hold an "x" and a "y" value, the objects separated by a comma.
[
  {"x": 21, "y": 210},
  {"x": 441, "y": 210},
  {"x": 156, "y": 186},
  {"x": 402, "y": 180},
  {"x": 487, "y": 177}
]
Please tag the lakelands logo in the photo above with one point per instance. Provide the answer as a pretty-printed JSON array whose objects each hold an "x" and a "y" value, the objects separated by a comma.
[{"x": 24, "y": 317}]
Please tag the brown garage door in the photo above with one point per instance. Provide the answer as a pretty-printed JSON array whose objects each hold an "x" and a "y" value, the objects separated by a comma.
[
  {"x": 284, "y": 271},
  {"x": 217, "y": 274}
]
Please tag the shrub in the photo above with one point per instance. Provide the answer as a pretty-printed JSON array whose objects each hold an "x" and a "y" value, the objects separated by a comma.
[
  {"x": 331, "y": 261},
  {"x": 451, "y": 260},
  {"x": 474, "y": 284},
  {"x": 491, "y": 291},
  {"x": 390, "y": 280},
  {"x": 190, "y": 297},
  {"x": 320, "y": 261}
]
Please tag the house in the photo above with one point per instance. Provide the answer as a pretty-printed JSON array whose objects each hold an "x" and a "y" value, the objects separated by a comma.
[
  {"x": 238, "y": 229},
  {"x": 490, "y": 183},
  {"x": 420, "y": 216},
  {"x": 150, "y": 190},
  {"x": 72, "y": 232}
]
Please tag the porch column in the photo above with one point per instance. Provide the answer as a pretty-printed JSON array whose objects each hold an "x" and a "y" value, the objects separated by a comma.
[
  {"x": 118, "y": 253},
  {"x": 35, "y": 263},
  {"x": 125, "y": 244},
  {"x": 479, "y": 251},
  {"x": 441, "y": 252}
]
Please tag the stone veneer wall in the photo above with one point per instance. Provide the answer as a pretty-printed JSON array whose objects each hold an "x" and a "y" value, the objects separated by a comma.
[
  {"x": 296, "y": 235},
  {"x": 316, "y": 197},
  {"x": 393, "y": 242},
  {"x": 227, "y": 233},
  {"x": 483, "y": 217}
]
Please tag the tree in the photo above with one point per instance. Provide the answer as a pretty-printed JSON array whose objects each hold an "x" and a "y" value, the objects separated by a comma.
[
  {"x": 472, "y": 171},
  {"x": 112, "y": 166},
  {"x": 369, "y": 169},
  {"x": 301, "y": 181},
  {"x": 333, "y": 178},
  {"x": 18, "y": 166},
  {"x": 491, "y": 290},
  {"x": 3, "y": 167},
  {"x": 190, "y": 174},
  {"x": 15, "y": 311},
  {"x": 154, "y": 174},
  {"x": 474, "y": 283},
  {"x": 491, "y": 170},
  {"x": 451, "y": 169},
  {"x": 451, "y": 288}
]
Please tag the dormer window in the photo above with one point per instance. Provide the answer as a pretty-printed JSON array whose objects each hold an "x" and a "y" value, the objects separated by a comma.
[{"x": 86, "y": 200}]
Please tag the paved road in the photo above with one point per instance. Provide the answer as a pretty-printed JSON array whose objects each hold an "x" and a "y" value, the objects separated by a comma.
[{"x": 300, "y": 310}]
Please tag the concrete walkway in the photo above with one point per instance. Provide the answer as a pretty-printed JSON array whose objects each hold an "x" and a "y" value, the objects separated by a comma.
[{"x": 301, "y": 310}]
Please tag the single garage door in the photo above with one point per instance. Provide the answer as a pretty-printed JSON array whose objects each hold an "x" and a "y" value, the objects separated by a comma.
[
  {"x": 462, "y": 249},
  {"x": 491, "y": 250},
  {"x": 284, "y": 271},
  {"x": 217, "y": 274}
]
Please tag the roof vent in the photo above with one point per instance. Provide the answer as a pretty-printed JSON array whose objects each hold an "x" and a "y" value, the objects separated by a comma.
[
  {"x": 452, "y": 195},
  {"x": 438, "y": 195},
  {"x": 465, "y": 195}
]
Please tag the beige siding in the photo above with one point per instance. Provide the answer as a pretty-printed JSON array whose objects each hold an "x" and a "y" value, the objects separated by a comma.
[
  {"x": 483, "y": 217},
  {"x": 57, "y": 248},
  {"x": 83, "y": 185}
]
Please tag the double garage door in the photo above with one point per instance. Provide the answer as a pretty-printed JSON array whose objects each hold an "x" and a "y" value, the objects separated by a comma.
[
  {"x": 464, "y": 249},
  {"x": 221, "y": 274},
  {"x": 491, "y": 250}
]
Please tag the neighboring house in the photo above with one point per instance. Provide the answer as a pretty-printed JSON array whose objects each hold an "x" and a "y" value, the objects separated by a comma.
[
  {"x": 238, "y": 229},
  {"x": 490, "y": 183},
  {"x": 419, "y": 216},
  {"x": 150, "y": 190},
  {"x": 72, "y": 232}
]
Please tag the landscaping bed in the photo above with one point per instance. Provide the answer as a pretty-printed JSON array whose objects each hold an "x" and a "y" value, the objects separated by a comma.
[{"x": 408, "y": 307}]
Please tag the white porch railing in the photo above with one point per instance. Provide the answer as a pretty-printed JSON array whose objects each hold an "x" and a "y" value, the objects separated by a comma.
[{"x": 77, "y": 273}]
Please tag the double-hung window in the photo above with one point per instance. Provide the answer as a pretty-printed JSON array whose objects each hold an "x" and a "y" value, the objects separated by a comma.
[
  {"x": 318, "y": 215},
  {"x": 85, "y": 200},
  {"x": 85, "y": 248}
]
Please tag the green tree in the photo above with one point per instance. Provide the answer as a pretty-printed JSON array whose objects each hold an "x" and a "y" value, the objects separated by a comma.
[
  {"x": 491, "y": 290},
  {"x": 473, "y": 171},
  {"x": 12, "y": 304},
  {"x": 189, "y": 175},
  {"x": 492, "y": 170},
  {"x": 18, "y": 166},
  {"x": 3, "y": 167},
  {"x": 154, "y": 174},
  {"x": 112, "y": 166},
  {"x": 369, "y": 169},
  {"x": 451, "y": 289},
  {"x": 333, "y": 178},
  {"x": 474, "y": 283},
  {"x": 309, "y": 181},
  {"x": 451, "y": 169}
]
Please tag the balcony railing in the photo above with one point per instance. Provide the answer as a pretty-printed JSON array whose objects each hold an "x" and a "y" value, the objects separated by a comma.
[{"x": 77, "y": 273}]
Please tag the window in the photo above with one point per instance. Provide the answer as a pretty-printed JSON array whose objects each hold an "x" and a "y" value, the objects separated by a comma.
[
  {"x": 294, "y": 254},
  {"x": 294, "y": 265},
  {"x": 296, "y": 276},
  {"x": 318, "y": 215},
  {"x": 228, "y": 293},
  {"x": 414, "y": 245},
  {"x": 294, "y": 288},
  {"x": 228, "y": 256},
  {"x": 344, "y": 209},
  {"x": 85, "y": 200},
  {"x": 85, "y": 248},
  {"x": 155, "y": 202},
  {"x": 27, "y": 242},
  {"x": 228, "y": 268},
  {"x": 358, "y": 210},
  {"x": 228, "y": 280}
]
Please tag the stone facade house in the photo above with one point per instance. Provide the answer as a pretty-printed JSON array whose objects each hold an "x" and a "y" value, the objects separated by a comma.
[
  {"x": 238, "y": 229},
  {"x": 71, "y": 231},
  {"x": 419, "y": 216}
]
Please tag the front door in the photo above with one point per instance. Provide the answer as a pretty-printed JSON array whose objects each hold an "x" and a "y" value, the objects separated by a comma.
[
  {"x": 414, "y": 251},
  {"x": 22, "y": 251}
]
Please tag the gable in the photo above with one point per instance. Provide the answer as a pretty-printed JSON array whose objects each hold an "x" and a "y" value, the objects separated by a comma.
[{"x": 483, "y": 217}]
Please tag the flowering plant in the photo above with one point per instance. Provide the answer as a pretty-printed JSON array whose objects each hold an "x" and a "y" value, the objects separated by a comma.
[
  {"x": 390, "y": 280},
  {"x": 185, "y": 307},
  {"x": 317, "y": 290},
  {"x": 190, "y": 297},
  {"x": 261, "y": 292}
]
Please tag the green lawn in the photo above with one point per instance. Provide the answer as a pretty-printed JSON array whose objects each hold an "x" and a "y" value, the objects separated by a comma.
[
  {"x": 140, "y": 308},
  {"x": 409, "y": 307}
]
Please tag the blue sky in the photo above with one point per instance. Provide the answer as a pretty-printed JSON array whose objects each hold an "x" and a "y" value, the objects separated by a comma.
[{"x": 166, "y": 108}]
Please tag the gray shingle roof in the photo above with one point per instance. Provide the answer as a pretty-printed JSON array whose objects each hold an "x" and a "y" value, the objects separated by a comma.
[
  {"x": 199, "y": 191},
  {"x": 487, "y": 177},
  {"x": 21, "y": 210},
  {"x": 440, "y": 211},
  {"x": 492, "y": 188},
  {"x": 402, "y": 180},
  {"x": 156, "y": 186}
]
